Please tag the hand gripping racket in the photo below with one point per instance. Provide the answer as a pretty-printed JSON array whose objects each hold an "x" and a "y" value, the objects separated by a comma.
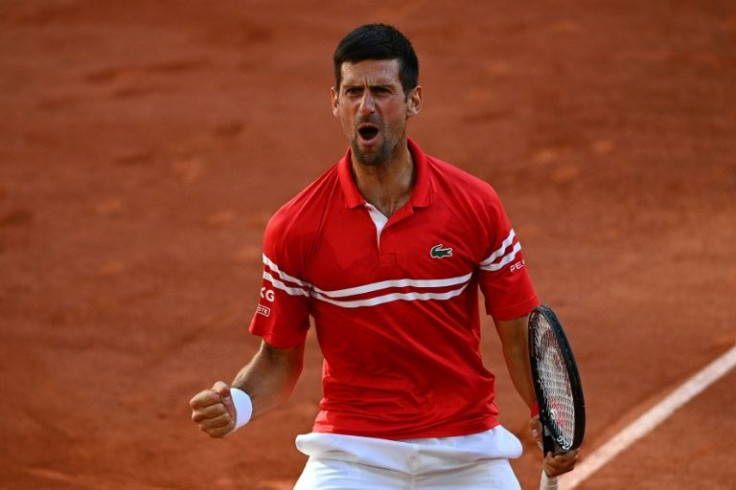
[{"x": 557, "y": 386}]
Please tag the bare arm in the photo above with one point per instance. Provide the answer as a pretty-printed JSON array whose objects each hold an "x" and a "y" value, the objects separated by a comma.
[
  {"x": 513, "y": 335},
  {"x": 270, "y": 376},
  {"x": 268, "y": 379},
  {"x": 515, "y": 345}
]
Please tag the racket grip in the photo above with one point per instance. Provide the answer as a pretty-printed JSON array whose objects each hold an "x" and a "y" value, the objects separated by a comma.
[{"x": 548, "y": 483}]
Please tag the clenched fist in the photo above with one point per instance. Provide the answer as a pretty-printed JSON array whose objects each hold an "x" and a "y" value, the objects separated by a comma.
[{"x": 213, "y": 410}]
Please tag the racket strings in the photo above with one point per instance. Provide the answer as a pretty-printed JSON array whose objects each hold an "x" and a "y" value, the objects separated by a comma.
[{"x": 556, "y": 385}]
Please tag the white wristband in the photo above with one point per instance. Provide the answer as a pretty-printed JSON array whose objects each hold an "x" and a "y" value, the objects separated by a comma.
[{"x": 243, "y": 407}]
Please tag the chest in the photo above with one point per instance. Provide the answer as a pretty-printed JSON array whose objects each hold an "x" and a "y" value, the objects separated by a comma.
[{"x": 420, "y": 244}]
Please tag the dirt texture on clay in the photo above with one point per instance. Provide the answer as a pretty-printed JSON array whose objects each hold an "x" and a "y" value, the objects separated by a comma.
[{"x": 145, "y": 144}]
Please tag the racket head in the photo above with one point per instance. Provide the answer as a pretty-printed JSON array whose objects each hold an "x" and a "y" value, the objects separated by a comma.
[{"x": 556, "y": 382}]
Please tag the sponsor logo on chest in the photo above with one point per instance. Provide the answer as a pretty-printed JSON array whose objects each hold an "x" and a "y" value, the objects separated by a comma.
[{"x": 438, "y": 252}]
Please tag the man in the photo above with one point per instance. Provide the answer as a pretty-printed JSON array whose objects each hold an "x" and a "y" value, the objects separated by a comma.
[{"x": 387, "y": 251}]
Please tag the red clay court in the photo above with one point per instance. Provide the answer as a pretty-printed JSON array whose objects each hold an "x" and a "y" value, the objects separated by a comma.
[{"x": 144, "y": 145}]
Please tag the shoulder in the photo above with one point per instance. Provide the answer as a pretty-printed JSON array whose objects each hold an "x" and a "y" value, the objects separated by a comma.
[
  {"x": 293, "y": 231},
  {"x": 460, "y": 187},
  {"x": 302, "y": 210}
]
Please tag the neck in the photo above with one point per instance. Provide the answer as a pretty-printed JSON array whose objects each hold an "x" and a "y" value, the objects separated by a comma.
[{"x": 387, "y": 185}]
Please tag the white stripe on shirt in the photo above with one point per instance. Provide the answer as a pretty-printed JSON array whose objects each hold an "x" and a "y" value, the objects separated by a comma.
[
  {"x": 492, "y": 263},
  {"x": 298, "y": 287}
]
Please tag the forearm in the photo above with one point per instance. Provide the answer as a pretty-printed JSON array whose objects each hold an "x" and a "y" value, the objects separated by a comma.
[
  {"x": 269, "y": 377},
  {"x": 513, "y": 335},
  {"x": 517, "y": 362}
]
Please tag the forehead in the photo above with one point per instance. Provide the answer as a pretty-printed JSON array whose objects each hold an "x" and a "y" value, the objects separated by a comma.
[{"x": 371, "y": 72}]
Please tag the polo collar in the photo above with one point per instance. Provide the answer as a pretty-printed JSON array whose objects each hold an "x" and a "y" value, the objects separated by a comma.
[{"x": 421, "y": 196}]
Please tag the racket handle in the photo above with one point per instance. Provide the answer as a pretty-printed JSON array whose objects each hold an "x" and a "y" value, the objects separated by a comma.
[{"x": 548, "y": 483}]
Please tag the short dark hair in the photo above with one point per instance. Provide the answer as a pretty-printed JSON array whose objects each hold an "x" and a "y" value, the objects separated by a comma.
[{"x": 378, "y": 42}]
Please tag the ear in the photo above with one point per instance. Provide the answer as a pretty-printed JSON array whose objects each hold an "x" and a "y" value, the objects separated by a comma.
[
  {"x": 335, "y": 102},
  {"x": 414, "y": 101}
]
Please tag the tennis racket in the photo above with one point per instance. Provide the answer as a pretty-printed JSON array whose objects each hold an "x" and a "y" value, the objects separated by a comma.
[{"x": 557, "y": 386}]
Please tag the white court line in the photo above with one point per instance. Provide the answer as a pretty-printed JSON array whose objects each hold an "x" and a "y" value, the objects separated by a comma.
[{"x": 652, "y": 418}]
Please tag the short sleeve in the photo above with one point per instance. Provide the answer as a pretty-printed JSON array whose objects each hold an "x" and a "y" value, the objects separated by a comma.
[
  {"x": 503, "y": 276},
  {"x": 282, "y": 315}
]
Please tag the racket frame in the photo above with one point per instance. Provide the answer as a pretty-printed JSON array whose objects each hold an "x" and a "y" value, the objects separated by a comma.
[{"x": 551, "y": 440}]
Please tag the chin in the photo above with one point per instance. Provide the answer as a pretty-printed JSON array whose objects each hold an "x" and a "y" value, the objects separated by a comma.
[{"x": 373, "y": 158}]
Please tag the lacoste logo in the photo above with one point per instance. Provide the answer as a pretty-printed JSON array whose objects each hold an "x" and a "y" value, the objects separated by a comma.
[{"x": 438, "y": 252}]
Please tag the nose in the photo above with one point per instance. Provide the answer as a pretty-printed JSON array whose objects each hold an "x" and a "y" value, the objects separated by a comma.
[{"x": 367, "y": 103}]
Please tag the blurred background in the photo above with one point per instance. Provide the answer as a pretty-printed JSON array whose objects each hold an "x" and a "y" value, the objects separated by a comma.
[{"x": 145, "y": 144}]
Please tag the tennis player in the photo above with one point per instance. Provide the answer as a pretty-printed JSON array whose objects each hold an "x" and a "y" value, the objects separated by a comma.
[{"x": 387, "y": 252}]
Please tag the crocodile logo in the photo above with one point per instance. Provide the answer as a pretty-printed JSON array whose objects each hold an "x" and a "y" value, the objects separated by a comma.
[{"x": 438, "y": 252}]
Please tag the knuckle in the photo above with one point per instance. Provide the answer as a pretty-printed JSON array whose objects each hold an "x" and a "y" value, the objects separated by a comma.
[
  {"x": 223, "y": 420},
  {"x": 201, "y": 400}
]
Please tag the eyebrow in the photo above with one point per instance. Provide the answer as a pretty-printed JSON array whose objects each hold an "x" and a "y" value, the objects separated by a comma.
[{"x": 373, "y": 86}]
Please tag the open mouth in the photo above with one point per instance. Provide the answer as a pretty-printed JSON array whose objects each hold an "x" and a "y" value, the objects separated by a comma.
[{"x": 368, "y": 132}]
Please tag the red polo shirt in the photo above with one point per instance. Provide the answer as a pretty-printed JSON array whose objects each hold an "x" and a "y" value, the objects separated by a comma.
[{"x": 395, "y": 312}]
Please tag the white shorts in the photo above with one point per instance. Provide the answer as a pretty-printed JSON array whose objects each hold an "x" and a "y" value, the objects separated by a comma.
[{"x": 475, "y": 461}]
